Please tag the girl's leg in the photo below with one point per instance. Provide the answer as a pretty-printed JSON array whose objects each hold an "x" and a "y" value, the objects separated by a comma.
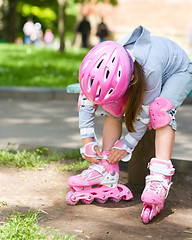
[
  {"x": 161, "y": 169},
  {"x": 164, "y": 142},
  {"x": 175, "y": 89},
  {"x": 112, "y": 130}
]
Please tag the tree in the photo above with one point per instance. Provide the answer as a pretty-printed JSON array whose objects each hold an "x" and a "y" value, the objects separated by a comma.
[
  {"x": 14, "y": 13},
  {"x": 62, "y": 17},
  {"x": 58, "y": 6},
  {"x": 11, "y": 23},
  {"x": 62, "y": 23}
]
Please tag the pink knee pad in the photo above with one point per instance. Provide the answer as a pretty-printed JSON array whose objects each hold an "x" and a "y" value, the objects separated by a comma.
[{"x": 158, "y": 113}]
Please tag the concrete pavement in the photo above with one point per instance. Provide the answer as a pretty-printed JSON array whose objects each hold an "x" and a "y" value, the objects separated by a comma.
[{"x": 47, "y": 117}]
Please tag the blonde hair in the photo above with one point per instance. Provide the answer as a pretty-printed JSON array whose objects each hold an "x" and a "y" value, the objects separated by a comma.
[{"x": 135, "y": 100}]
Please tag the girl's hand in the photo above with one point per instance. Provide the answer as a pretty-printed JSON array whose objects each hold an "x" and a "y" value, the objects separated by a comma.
[
  {"x": 94, "y": 159},
  {"x": 96, "y": 149},
  {"x": 116, "y": 155}
]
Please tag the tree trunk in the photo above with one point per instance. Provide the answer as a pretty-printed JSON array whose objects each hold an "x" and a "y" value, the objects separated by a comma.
[
  {"x": 61, "y": 23},
  {"x": 11, "y": 24},
  {"x": 137, "y": 168}
]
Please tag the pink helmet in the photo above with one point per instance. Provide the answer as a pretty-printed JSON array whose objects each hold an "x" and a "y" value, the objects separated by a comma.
[{"x": 106, "y": 72}]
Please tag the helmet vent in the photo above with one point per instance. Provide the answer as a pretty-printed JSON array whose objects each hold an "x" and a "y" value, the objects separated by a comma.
[
  {"x": 91, "y": 82},
  {"x": 86, "y": 64},
  {"x": 98, "y": 92},
  {"x": 119, "y": 73},
  {"x": 107, "y": 74},
  {"x": 114, "y": 56},
  {"x": 98, "y": 66},
  {"x": 109, "y": 93}
]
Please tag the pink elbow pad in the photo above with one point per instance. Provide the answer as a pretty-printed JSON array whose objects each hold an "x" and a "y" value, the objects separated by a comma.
[
  {"x": 158, "y": 112},
  {"x": 117, "y": 108}
]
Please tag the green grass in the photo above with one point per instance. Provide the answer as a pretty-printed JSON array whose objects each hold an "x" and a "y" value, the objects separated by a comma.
[
  {"x": 25, "y": 226},
  {"x": 40, "y": 157},
  {"x": 22, "y": 65},
  {"x": 20, "y": 226}
]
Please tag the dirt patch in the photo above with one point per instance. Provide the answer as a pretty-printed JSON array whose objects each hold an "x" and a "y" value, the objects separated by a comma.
[{"x": 45, "y": 189}]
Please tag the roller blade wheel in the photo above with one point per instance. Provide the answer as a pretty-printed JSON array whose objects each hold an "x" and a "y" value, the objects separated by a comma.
[
  {"x": 99, "y": 200},
  {"x": 86, "y": 201},
  {"x": 115, "y": 200},
  {"x": 146, "y": 215},
  {"x": 69, "y": 198}
]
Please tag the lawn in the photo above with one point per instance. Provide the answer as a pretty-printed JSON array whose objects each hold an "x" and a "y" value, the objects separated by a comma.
[
  {"x": 22, "y": 65},
  {"x": 25, "y": 226},
  {"x": 40, "y": 157},
  {"x": 20, "y": 226}
]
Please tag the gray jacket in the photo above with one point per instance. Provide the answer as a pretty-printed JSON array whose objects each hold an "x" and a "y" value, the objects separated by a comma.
[{"x": 160, "y": 58}]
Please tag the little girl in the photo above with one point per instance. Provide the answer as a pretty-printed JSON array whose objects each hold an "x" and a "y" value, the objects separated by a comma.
[{"x": 142, "y": 79}]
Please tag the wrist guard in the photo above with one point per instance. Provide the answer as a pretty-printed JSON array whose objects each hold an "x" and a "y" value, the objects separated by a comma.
[
  {"x": 88, "y": 150},
  {"x": 119, "y": 144}
]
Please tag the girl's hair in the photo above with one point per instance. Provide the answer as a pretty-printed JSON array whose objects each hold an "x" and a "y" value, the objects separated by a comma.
[{"x": 135, "y": 99}]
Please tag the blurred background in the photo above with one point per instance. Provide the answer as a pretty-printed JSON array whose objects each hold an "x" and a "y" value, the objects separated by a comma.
[
  {"x": 33, "y": 34},
  {"x": 172, "y": 18}
]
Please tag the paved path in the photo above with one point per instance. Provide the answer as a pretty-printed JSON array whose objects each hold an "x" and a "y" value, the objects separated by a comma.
[{"x": 50, "y": 118}]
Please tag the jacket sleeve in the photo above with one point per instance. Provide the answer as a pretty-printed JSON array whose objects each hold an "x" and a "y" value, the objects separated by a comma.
[
  {"x": 132, "y": 138},
  {"x": 152, "y": 91},
  {"x": 86, "y": 119}
]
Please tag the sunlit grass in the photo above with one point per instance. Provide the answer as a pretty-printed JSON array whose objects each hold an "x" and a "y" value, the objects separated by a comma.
[
  {"x": 40, "y": 157},
  {"x": 22, "y": 65},
  {"x": 20, "y": 226}
]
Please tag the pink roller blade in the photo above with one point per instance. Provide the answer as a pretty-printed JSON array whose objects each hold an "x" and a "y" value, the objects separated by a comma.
[
  {"x": 101, "y": 193},
  {"x": 98, "y": 182},
  {"x": 157, "y": 188}
]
